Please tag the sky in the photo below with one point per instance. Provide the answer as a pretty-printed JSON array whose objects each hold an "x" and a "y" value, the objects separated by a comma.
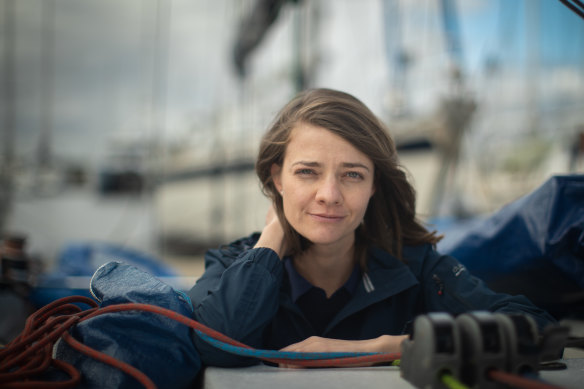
[
  {"x": 106, "y": 79},
  {"x": 104, "y": 74}
]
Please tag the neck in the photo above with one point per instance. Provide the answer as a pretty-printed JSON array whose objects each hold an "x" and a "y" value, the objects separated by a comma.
[{"x": 326, "y": 267}]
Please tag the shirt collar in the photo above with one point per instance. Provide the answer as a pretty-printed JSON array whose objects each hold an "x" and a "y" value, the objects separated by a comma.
[{"x": 299, "y": 285}]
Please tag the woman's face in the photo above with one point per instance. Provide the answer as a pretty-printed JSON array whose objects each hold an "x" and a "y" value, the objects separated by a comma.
[{"x": 326, "y": 184}]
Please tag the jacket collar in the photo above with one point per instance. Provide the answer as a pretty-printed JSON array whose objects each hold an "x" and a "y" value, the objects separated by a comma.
[
  {"x": 386, "y": 276},
  {"x": 299, "y": 285}
]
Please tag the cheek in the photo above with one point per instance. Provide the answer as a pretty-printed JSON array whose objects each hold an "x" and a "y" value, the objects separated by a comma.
[
  {"x": 291, "y": 199},
  {"x": 294, "y": 201}
]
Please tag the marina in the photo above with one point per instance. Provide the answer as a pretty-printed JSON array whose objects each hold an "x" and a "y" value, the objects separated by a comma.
[{"x": 129, "y": 132}]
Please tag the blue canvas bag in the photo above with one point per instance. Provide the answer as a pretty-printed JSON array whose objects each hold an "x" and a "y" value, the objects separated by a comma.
[{"x": 154, "y": 344}]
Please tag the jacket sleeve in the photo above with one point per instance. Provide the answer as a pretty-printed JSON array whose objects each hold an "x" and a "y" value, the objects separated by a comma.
[
  {"x": 448, "y": 286},
  {"x": 238, "y": 295}
]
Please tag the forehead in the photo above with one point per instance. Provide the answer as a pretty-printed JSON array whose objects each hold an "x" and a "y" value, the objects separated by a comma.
[{"x": 314, "y": 143}]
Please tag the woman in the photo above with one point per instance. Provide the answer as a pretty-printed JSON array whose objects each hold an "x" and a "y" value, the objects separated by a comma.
[{"x": 342, "y": 263}]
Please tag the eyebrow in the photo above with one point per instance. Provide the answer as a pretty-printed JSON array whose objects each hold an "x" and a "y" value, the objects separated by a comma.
[{"x": 345, "y": 164}]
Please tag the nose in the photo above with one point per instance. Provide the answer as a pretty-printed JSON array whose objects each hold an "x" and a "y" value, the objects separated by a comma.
[{"x": 329, "y": 192}]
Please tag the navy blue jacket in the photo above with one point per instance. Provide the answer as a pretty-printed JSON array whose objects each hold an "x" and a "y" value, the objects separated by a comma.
[{"x": 245, "y": 294}]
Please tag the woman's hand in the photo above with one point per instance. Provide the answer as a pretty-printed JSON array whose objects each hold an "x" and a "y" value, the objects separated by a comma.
[
  {"x": 273, "y": 234},
  {"x": 384, "y": 343}
]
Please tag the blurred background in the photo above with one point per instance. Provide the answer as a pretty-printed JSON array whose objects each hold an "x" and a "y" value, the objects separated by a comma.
[{"x": 135, "y": 123}]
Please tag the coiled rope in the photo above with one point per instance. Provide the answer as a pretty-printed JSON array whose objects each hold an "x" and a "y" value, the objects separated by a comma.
[{"x": 29, "y": 355}]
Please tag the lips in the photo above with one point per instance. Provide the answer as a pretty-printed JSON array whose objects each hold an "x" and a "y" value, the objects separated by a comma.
[{"x": 327, "y": 217}]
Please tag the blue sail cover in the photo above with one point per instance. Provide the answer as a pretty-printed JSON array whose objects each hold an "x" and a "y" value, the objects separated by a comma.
[
  {"x": 77, "y": 263},
  {"x": 533, "y": 246}
]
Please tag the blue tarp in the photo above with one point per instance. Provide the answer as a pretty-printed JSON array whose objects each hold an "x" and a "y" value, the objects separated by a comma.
[
  {"x": 82, "y": 259},
  {"x": 533, "y": 246}
]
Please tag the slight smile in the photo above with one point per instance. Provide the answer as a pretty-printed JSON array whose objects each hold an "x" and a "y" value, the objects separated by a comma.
[{"x": 326, "y": 218}]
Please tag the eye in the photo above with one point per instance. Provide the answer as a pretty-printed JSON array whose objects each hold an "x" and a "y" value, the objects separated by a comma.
[
  {"x": 304, "y": 172},
  {"x": 354, "y": 175}
]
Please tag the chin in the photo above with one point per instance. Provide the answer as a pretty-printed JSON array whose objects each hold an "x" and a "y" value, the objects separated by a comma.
[{"x": 324, "y": 239}]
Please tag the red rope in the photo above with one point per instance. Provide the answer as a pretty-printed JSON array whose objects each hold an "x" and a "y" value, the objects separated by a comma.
[
  {"x": 129, "y": 369},
  {"x": 60, "y": 365},
  {"x": 171, "y": 315},
  {"x": 518, "y": 381},
  {"x": 339, "y": 362},
  {"x": 30, "y": 354},
  {"x": 47, "y": 339}
]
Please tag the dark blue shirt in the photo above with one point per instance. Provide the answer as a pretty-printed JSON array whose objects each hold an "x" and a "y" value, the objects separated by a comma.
[{"x": 312, "y": 301}]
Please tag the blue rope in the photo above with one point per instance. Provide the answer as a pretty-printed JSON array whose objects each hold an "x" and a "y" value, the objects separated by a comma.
[{"x": 275, "y": 354}]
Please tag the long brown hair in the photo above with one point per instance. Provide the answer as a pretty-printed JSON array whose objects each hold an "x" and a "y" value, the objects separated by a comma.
[{"x": 390, "y": 220}]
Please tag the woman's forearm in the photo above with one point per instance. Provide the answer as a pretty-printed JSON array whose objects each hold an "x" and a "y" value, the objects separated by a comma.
[
  {"x": 384, "y": 343},
  {"x": 390, "y": 343}
]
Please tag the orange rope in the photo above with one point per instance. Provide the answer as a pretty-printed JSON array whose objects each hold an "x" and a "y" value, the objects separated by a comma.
[
  {"x": 518, "y": 381},
  {"x": 30, "y": 354}
]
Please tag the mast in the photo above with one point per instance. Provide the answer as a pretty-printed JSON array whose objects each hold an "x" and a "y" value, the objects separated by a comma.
[
  {"x": 44, "y": 154},
  {"x": 8, "y": 108}
]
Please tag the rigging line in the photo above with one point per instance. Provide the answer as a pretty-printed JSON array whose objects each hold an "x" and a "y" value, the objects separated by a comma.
[
  {"x": 321, "y": 359},
  {"x": 574, "y": 8},
  {"x": 116, "y": 363},
  {"x": 578, "y": 3},
  {"x": 67, "y": 321},
  {"x": 62, "y": 316},
  {"x": 221, "y": 337},
  {"x": 518, "y": 381}
]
